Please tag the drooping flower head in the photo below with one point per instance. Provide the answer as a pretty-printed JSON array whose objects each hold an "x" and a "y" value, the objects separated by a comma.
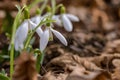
[
  {"x": 22, "y": 32},
  {"x": 65, "y": 20},
  {"x": 46, "y": 36}
]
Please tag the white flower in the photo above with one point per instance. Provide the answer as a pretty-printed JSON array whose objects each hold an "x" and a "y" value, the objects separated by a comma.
[
  {"x": 57, "y": 19},
  {"x": 44, "y": 39},
  {"x": 22, "y": 32},
  {"x": 36, "y": 19},
  {"x": 21, "y": 35},
  {"x": 66, "y": 23},
  {"x": 46, "y": 35},
  {"x": 65, "y": 20},
  {"x": 38, "y": 30},
  {"x": 59, "y": 36},
  {"x": 72, "y": 17}
]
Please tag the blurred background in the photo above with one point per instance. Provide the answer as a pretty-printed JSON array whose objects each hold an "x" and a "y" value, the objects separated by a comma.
[
  {"x": 97, "y": 32},
  {"x": 99, "y": 21},
  {"x": 103, "y": 13}
]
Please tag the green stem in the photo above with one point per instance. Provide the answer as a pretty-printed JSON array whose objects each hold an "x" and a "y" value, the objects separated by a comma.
[
  {"x": 11, "y": 60},
  {"x": 12, "y": 51},
  {"x": 43, "y": 6},
  {"x": 34, "y": 3},
  {"x": 53, "y": 6},
  {"x": 15, "y": 24},
  {"x": 28, "y": 40},
  {"x": 60, "y": 5},
  {"x": 40, "y": 58}
]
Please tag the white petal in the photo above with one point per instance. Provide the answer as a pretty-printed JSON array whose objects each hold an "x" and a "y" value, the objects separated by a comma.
[
  {"x": 67, "y": 23},
  {"x": 50, "y": 35},
  {"x": 60, "y": 36},
  {"x": 38, "y": 30},
  {"x": 72, "y": 17},
  {"x": 22, "y": 31},
  {"x": 21, "y": 34},
  {"x": 44, "y": 39},
  {"x": 46, "y": 15},
  {"x": 18, "y": 46},
  {"x": 58, "y": 21},
  {"x": 36, "y": 19}
]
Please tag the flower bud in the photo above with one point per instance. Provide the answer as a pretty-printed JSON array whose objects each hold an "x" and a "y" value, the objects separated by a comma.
[
  {"x": 62, "y": 10},
  {"x": 48, "y": 24},
  {"x": 26, "y": 13},
  {"x": 38, "y": 11},
  {"x": 48, "y": 8}
]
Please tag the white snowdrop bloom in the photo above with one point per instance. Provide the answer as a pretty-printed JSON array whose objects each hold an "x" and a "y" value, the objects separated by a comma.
[
  {"x": 21, "y": 35},
  {"x": 66, "y": 23},
  {"x": 46, "y": 36},
  {"x": 36, "y": 19},
  {"x": 57, "y": 19},
  {"x": 33, "y": 26},
  {"x": 72, "y": 17},
  {"x": 22, "y": 32},
  {"x": 44, "y": 39},
  {"x": 18, "y": 46},
  {"x": 59, "y": 36}
]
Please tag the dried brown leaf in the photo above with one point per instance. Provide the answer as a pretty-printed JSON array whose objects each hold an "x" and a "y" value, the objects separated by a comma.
[
  {"x": 82, "y": 74},
  {"x": 116, "y": 74},
  {"x": 25, "y": 68}
]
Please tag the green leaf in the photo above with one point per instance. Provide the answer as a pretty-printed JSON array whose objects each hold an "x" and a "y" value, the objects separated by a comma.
[
  {"x": 18, "y": 7},
  {"x": 3, "y": 77},
  {"x": 4, "y": 56},
  {"x": 3, "y": 71},
  {"x": 34, "y": 3},
  {"x": 40, "y": 58},
  {"x": 15, "y": 24}
]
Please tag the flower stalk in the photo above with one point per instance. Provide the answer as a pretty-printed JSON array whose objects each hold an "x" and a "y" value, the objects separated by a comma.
[{"x": 15, "y": 24}]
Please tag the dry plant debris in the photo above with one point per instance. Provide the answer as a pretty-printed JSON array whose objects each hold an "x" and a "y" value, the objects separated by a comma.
[{"x": 25, "y": 68}]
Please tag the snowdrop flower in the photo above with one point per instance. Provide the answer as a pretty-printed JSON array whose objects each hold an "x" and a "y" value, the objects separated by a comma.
[
  {"x": 65, "y": 20},
  {"x": 22, "y": 32},
  {"x": 38, "y": 30},
  {"x": 36, "y": 19},
  {"x": 21, "y": 35},
  {"x": 72, "y": 17},
  {"x": 46, "y": 35},
  {"x": 44, "y": 39},
  {"x": 57, "y": 19}
]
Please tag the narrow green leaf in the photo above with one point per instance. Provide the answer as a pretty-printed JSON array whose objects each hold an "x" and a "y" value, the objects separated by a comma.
[
  {"x": 4, "y": 56},
  {"x": 3, "y": 77},
  {"x": 15, "y": 24},
  {"x": 34, "y": 3},
  {"x": 40, "y": 58}
]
